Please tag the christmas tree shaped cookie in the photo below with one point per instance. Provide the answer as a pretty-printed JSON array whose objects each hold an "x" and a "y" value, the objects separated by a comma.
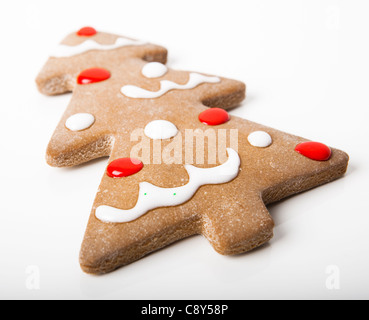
[{"x": 179, "y": 163}]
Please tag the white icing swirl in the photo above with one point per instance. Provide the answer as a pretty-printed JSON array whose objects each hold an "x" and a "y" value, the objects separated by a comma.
[
  {"x": 151, "y": 197},
  {"x": 165, "y": 85},
  {"x": 68, "y": 51}
]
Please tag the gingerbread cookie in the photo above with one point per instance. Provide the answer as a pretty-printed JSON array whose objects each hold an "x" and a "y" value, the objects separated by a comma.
[{"x": 179, "y": 163}]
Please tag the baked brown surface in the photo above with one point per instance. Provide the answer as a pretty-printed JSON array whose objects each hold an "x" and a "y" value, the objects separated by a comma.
[{"x": 232, "y": 216}]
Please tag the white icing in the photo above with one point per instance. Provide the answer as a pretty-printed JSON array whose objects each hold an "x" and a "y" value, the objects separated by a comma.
[
  {"x": 88, "y": 45},
  {"x": 161, "y": 130},
  {"x": 166, "y": 85},
  {"x": 260, "y": 139},
  {"x": 80, "y": 121},
  {"x": 154, "y": 70},
  {"x": 151, "y": 197}
]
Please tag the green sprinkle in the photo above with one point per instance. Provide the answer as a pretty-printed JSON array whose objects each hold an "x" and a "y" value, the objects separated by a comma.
[
  {"x": 145, "y": 194},
  {"x": 174, "y": 194}
]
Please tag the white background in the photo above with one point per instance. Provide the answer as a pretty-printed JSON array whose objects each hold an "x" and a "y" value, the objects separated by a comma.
[{"x": 306, "y": 67}]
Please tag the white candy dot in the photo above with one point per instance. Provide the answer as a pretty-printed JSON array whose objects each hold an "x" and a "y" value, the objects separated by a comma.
[
  {"x": 80, "y": 121},
  {"x": 161, "y": 130},
  {"x": 260, "y": 139},
  {"x": 154, "y": 70}
]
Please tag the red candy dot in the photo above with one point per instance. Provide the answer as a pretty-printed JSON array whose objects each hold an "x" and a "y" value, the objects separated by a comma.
[
  {"x": 124, "y": 167},
  {"x": 314, "y": 150},
  {"x": 214, "y": 116},
  {"x": 87, "y": 32},
  {"x": 93, "y": 75}
]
